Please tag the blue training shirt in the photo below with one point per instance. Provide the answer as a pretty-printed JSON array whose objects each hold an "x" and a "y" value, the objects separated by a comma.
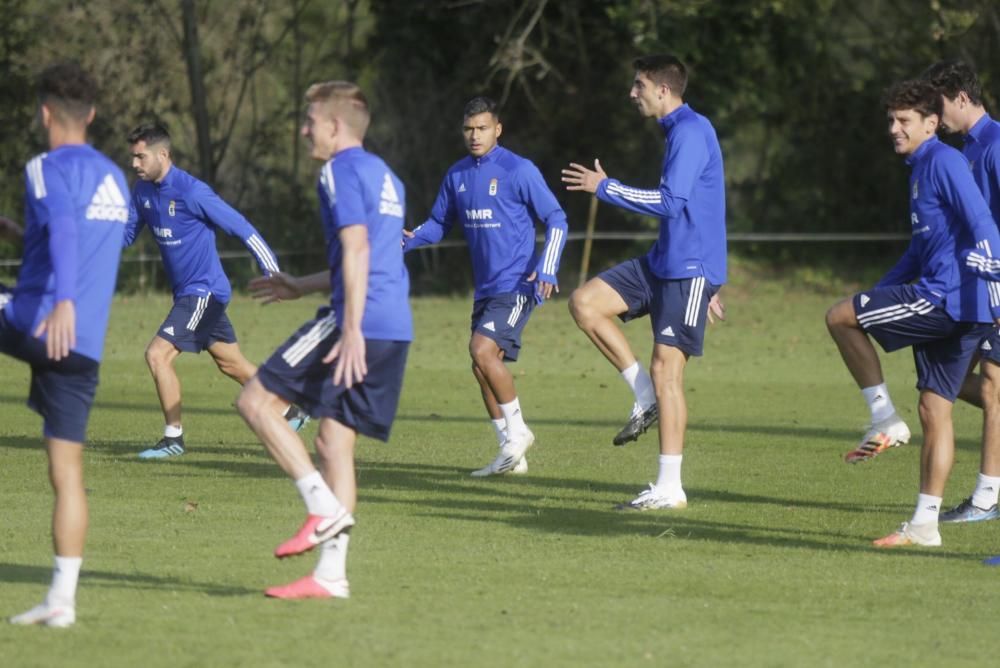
[
  {"x": 497, "y": 198},
  {"x": 182, "y": 213},
  {"x": 948, "y": 218},
  {"x": 74, "y": 219},
  {"x": 982, "y": 150},
  {"x": 690, "y": 201},
  {"x": 358, "y": 188}
]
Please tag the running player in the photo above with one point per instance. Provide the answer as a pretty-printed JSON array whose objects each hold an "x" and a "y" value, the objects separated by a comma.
[
  {"x": 75, "y": 214},
  {"x": 345, "y": 367},
  {"x": 929, "y": 300},
  {"x": 963, "y": 112},
  {"x": 496, "y": 195},
  {"x": 182, "y": 213},
  {"x": 675, "y": 283}
]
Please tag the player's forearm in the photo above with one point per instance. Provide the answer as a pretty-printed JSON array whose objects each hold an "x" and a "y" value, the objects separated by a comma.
[
  {"x": 637, "y": 200},
  {"x": 354, "y": 273},
  {"x": 318, "y": 282},
  {"x": 429, "y": 233},
  {"x": 63, "y": 252},
  {"x": 266, "y": 259},
  {"x": 555, "y": 242}
]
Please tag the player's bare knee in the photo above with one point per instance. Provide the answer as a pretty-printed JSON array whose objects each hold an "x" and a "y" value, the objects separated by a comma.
[
  {"x": 665, "y": 375},
  {"x": 156, "y": 359},
  {"x": 580, "y": 307},
  {"x": 841, "y": 315},
  {"x": 482, "y": 351},
  {"x": 989, "y": 389},
  {"x": 251, "y": 401}
]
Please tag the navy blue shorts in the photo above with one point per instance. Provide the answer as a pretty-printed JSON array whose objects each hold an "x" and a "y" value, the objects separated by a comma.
[
  {"x": 61, "y": 392},
  {"x": 943, "y": 349},
  {"x": 989, "y": 347},
  {"x": 678, "y": 308},
  {"x": 196, "y": 322},
  {"x": 296, "y": 373},
  {"x": 502, "y": 318}
]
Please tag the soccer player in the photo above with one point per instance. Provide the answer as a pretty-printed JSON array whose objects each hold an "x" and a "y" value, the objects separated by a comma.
[
  {"x": 75, "y": 213},
  {"x": 496, "y": 195},
  {"x": 182, "y": 213},
  {"x": 963, "y": 112},
  {"x": 345, "y": 367},
  {"x": 929, "y": 300},
  {"x": 674, "y": 282}
]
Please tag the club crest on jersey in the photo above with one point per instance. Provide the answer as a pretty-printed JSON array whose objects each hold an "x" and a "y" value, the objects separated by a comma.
[
  {"x": 146, "y": 204},
  {"x": 171, "y": 209},
  {"x": 916, "y": 191},
  {"x": 493, "y": 187}
]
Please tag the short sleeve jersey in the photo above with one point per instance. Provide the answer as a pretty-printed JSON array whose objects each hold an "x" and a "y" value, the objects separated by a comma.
[
  {"x": 358, "y": 188},
  {"x": 75, "y": 210}
]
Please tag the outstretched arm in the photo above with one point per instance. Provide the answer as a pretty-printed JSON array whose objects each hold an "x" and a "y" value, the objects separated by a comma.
[
  {"x": 687, "y": 156},
  {"x": 280, "y": 286},
  {"x": 206, "y": 203},
  {"x": 437, "y": 225}
]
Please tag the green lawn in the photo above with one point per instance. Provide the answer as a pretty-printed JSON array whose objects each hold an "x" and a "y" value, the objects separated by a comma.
[{"x": 770, "y": 565}]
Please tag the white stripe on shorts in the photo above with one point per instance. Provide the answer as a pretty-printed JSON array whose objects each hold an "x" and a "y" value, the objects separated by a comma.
[
  {"x": 694, "y": 301},
  {"x": 895, "y": 312},
  {"x": 515, "y": 312},
  {"x": 199, "y": 311},
  {"x": 305, "y": 345}
]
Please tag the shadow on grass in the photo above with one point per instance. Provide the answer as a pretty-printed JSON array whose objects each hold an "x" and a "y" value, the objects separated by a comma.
[
  {"x": 679, "y": 525},
  {"x": 150, "y": 406},
  {"x": 376, "y": 477},
  {"x": 42, "y": 575}
]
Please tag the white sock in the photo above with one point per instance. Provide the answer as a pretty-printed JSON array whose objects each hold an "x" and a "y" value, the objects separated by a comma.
[
  {"x": 170, "y": 431},
  {"x": 499, "y": 427},
  {"x": 332, "y": 564},
  {"x": 668, "y": 481},
  {"x": 641, "y": 385},
  {"x": 879, "y": 403},
  {"x": 317, "y": 495},
  {"x": 987, "y": 492},
  {"x": 928, "y": 509},
  {"x": 512, "y": 416},
  {"x": 65, "y": 575}
]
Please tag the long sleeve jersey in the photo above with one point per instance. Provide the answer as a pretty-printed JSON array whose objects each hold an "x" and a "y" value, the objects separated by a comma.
[
  {"x": 358, "y": 188},
  {"x": 690, "y": 201},
  {"x": 948, "y": 218},
  {"x": 74, "y": 212},
  {"x": 982, "y": 150},
  {"x": 497, "y": 199},
  {"x": 182, "y": 213}
]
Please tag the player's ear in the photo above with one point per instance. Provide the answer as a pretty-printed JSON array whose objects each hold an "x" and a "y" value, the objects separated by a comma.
[
  {"x": 91, "y": 114},
  {"x": 499, "y": 128},
  {"x": 45, "y": 114}
]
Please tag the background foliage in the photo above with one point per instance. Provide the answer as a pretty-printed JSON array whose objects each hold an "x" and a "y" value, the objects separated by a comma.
[{"x": 792, "y": 87}]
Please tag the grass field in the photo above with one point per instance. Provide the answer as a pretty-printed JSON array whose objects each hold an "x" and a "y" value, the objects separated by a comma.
[{"x": 770, "y": 565}]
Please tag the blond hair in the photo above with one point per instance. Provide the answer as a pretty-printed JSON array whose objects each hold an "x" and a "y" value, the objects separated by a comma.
[{"x": 343, "y": 100}]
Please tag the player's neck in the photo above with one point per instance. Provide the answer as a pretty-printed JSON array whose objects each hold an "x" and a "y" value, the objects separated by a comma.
[
  {"x": 345, "y": 144},
  {"x": 166, "y": 170},
  {"x": 669, "y": 106},
  {"x": 975, "y": 115},
  {"x": 66, "y": 135}
]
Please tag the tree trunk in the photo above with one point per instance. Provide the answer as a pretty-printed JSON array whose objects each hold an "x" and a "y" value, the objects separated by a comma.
[{"x": 199, "y": 105}]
